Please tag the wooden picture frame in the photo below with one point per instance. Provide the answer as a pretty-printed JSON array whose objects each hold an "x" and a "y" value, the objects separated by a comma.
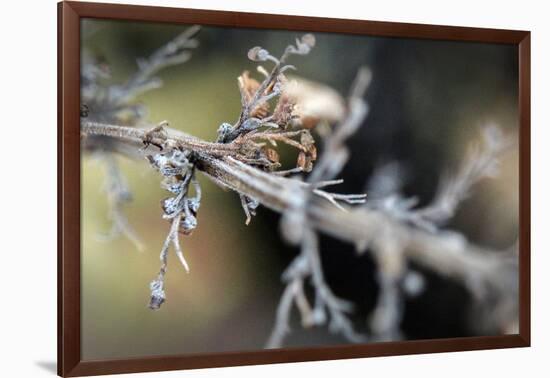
[{"x": 69, "y": 243}]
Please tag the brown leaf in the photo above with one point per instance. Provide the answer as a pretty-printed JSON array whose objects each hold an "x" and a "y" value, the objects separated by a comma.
[{"x": 248, "y": 87}]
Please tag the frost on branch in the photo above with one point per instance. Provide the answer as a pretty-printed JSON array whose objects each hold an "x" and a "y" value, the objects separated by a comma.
[{"x": 244, "y": 158}]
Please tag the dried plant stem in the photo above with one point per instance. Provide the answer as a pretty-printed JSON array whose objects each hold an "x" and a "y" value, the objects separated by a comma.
[
  {"x": 137, "y": 136},
  {"x": 282, "y": 321},
  {"x": 446, "y": 253}
]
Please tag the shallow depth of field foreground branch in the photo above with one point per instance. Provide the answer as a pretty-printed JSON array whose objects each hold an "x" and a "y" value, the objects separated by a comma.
[{"x": 281, "y": 109}]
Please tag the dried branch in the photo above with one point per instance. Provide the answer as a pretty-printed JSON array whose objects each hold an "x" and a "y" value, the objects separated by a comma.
[
  {"x": 173, "y": 53},
  {"x": 107, "y": 102},
  {"x": 335, "y": 153},
  {"x": 112, "y": 103},
  {"x": 447, "y": 253},
  {"x": 308, "y": 266},
  {"x": 296, "y": 229},
  {"x": 481, "y": 161},
  {"x": 118, "y": 195}
]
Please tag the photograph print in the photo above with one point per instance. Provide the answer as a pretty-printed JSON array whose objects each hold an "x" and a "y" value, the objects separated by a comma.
[{"x": 249, "y": 189}]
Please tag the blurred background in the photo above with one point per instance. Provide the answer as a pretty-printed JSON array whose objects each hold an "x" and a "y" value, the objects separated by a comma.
[{"x": 428, "y": 100}]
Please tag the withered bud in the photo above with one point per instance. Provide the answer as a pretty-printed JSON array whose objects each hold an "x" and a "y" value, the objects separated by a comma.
[
  {"x": 303, "y": 45},
  {"x": 258, "y": 54},
  {"x": 158, "y": 297},
  {"x": 188, "y": 224},
  {"x": 308, "y": 39}
]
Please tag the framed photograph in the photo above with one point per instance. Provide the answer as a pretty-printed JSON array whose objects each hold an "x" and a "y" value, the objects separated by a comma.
[{"x": 240, "y": 188}]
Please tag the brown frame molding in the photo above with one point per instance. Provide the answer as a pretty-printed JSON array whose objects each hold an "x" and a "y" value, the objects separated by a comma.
[{"x": 69, "y": 15}]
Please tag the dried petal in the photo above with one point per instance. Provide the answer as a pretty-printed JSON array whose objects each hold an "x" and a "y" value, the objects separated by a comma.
[
  {"x": 283, "y": 113},
  {"x": 312, "y": 151},
  {"x": 248, "y": 87},
  {"x": 302, "y": 160},
  {"x": 272, "y": 155}
]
